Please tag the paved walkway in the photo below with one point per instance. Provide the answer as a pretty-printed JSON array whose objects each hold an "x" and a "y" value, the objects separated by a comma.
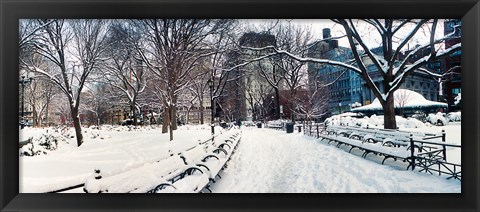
[{"x": 270, "y": 161}]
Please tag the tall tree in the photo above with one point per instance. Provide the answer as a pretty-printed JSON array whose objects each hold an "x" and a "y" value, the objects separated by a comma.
[
  {"x": 75, "y": 43},
  {"x": 171, "y": 51},
  {"x": 294, "y": 39},
  {"x": 395, "y": 37},
  {"x": 124, "y": 69}
]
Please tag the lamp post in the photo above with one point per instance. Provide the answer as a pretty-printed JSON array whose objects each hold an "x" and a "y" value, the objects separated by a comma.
[
  {"x": 339, "y": 108},
  {"x": 23, "y": 81},
  {"x": 210, "y": 85},
  {"x": 274, "y": 111}
]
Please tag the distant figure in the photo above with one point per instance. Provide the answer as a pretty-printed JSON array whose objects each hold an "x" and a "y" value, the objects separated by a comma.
[{"x": 239, "y": 123}]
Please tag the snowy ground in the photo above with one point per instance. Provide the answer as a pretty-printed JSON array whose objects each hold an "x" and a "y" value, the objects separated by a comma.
[
  {"x": 266, "y": 161},
  {"x": 270, "y": 161},
  {"x": 113, "y": 151}
]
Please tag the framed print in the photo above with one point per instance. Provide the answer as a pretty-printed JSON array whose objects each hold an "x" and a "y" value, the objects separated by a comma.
[{"x": 153, "y": 97}]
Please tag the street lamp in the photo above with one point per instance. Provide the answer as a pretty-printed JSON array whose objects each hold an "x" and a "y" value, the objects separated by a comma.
[
  {"x": 23, "y": 81},
  {"x": 210, "y": 85},
  {"x": 274, "y": 111}
]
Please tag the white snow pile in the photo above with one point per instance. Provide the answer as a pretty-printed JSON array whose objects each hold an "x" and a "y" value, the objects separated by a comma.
[
  {"x": 373, "y": 121},
  {"x": 458, "y": 98},
  {"x": 438, "y": 119},
  {"x": 404, "y": 98},
  {"x": 41, "y": 141},
  {"x": 455, "y": 116}
]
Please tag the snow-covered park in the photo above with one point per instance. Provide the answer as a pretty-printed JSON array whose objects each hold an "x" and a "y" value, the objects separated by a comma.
[
  {"x": 266, "y": 160},
  {"x": 163, "y": 73}
]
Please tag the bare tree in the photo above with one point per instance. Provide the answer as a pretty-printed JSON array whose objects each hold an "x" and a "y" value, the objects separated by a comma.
[
  {"x": 296, "y": 40},
  {"x": 392, "y": 68},
  {"x": 96, "y": 101},
  {"x": 172, "y": 49},
  {"x": 199, "y": 88},
  {"x": 401, "y": 99},
  {"x": 40, "y": 91},
  {"x": 78, "y": 41},
  {"x": 314, "y": 103},
  {"x": 124, "y": 70},
  {"x": 41, "y": 94}
]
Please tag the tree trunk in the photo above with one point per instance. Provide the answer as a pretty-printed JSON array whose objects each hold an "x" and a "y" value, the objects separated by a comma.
[
  {"x": 389, "y": 113},
  {"x": 277, "y": 104},
  {"x": 292, "y": 110},
  {"x": 132, "y": 108},
  {"x": 187, "y": 116},
  {"x": 165, "y": 120},
  {"x": 46, "y": 112},
  {"x": 173, "y": 115},
  {"x": 172, "y": 120},
  {"x": 77, "y": 126},
  {"x": 34, "y": 117},
  {"x": 201, "y": 112}
]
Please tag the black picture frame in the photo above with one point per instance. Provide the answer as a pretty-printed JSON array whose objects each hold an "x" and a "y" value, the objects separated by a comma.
[{"x": 13, "y": 10}]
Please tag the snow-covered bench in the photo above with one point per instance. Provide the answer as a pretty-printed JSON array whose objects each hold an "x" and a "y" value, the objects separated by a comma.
[
  {"x": 375, "y": 148},
  {"x": 221, "y": 155},
  {"x": 277, "y": 126},
  {"x": 211, "y": 159},
  {"x": 141, "y": 179},
  {"x": 188, "y": 171},
  {"x": 386, "y": 137},
  {"x": 387, "y": 143}
]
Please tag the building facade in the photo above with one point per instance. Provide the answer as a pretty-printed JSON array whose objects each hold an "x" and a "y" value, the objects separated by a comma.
[
  {"x": 350, "y": 88},
  {"x": 452, "y": 64},
  {"x": 247, "y": 88}
]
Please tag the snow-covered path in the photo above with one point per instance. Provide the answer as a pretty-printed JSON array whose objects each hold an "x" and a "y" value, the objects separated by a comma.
[{"x": 270, "y": 161}]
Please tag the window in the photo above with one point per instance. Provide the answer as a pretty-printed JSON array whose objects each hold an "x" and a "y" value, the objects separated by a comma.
[{"x": 456, "y": 91}]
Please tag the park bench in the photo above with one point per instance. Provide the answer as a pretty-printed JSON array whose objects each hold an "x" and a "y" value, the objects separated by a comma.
[
  {"x": 277, "y": 126},
  {"x": 216, "y": 161},
  {"x": 387, "y": 137},
  {"x": 141, "y": 179},
  {"x": 400, "y": 153},
  {"x": 23, "y": 143},
  {"x": 188, "y": 171},
  {"x": 430, "y": 154},
  {"x": 218, "y": 153}
]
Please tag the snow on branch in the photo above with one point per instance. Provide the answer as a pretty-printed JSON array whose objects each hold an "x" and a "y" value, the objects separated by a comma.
[
  {"x": 301, "y": 59},
  {"x": 420, "y": 62}
]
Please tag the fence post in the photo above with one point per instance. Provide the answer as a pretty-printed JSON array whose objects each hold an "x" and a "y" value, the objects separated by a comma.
[
  {"x": 318, "y": 135},
  {"x": 412, "y": 152},
  {"x": 444, "y": 148}
]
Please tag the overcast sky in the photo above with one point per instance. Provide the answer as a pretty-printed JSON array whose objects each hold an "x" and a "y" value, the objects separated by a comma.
[{"x": 372, "y": 37}]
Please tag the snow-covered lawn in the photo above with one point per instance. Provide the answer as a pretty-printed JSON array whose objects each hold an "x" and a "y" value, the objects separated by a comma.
[
  {"x": 266, "y": 161},
  {"x": 270, "y": 161},
  {"x": 119, "y": 150}
]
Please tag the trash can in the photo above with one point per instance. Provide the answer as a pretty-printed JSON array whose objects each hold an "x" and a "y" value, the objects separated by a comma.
[
  {"x": 289, "y": 127},
  {"x": 259, "y": 125},
  {"x": 223, "y": 125}
]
